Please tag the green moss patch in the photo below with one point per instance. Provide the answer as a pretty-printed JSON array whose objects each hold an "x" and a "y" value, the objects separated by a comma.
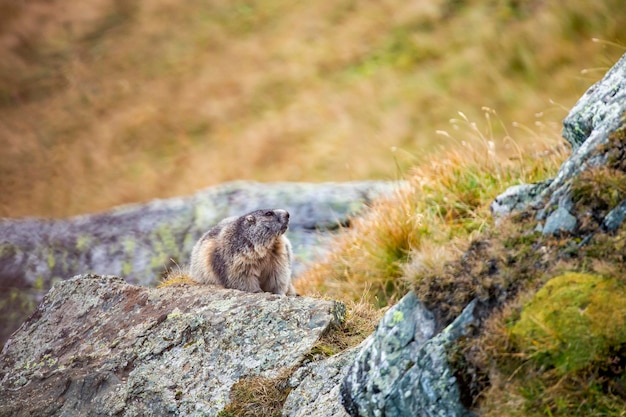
[
  {"x": 560, "y": 353},
  {"x": 574, "y": 321}
]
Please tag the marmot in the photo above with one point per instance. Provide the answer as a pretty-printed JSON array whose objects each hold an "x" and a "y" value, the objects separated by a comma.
[{"x": 248, "y": 253}]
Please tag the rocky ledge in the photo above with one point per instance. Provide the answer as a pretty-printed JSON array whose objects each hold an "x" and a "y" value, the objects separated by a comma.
[{"x": 98, "y": 346}]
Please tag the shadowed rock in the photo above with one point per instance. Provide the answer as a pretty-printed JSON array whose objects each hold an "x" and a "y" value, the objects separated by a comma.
[{"x": 98, "y": 346}]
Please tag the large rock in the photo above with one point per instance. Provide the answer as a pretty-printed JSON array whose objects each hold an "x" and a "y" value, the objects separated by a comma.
[
  {"x": 402, "y": 369},
  {"x": 599, "y": 113},
  {"x": 97, "y": 346},
  {"x": 140, "y": 242}
]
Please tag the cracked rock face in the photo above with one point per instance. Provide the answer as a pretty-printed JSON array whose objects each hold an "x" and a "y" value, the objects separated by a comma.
[
  {"x": 98, "y": 346},
  {"x": 402, "y": 369}
]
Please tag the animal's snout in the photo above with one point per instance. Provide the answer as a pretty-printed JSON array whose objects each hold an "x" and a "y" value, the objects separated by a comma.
[{"x": 282, "y": 214}]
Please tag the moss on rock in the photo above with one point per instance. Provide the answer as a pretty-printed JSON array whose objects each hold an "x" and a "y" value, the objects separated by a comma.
[
  {"x": 574, "y": 321},
  {"x": 560, "y": 353}
]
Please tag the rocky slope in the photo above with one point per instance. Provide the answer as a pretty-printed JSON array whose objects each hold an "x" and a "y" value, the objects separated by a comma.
[{"x": 592, "y": 129}]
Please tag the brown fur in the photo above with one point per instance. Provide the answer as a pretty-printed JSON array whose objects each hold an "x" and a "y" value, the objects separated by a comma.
[{"x": 248, "y": 253}]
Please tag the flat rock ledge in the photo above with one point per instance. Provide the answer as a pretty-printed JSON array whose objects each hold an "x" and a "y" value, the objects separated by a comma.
[{"x": 99, "y": 346}]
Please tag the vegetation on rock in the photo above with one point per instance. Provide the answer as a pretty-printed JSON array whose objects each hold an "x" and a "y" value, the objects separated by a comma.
[
  {"x": 257, "y": 397},
  {"x": 552, "y": 342},
  {"x": 429, "y": 221},
  {"x": 561, "y": 353},
  {"x": 598, "y": 190}
]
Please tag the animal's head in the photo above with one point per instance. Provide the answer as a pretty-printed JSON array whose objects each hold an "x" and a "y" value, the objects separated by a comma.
[{"x": 265, "y": 225}]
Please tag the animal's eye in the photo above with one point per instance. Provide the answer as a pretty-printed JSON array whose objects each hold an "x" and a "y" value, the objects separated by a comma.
[{"x": 269, "y": 213}]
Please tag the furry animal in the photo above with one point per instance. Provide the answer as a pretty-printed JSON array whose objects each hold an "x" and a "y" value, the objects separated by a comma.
[{"x": 248, "y": 253}]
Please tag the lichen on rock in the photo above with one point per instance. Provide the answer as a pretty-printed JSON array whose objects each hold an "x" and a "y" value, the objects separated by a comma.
[{"x": 402, "y": 370}]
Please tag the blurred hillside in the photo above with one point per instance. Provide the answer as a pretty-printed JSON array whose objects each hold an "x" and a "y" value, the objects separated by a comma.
[{"x": 105, "y": 102}]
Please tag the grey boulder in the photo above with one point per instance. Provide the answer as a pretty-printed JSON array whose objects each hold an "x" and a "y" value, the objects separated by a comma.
[
  {"x": 402, "y": 369},
  {"x": 98, "y": 346}
]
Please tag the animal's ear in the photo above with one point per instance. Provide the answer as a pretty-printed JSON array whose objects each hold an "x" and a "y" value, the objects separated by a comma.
[{"x": 250, "y": 218}]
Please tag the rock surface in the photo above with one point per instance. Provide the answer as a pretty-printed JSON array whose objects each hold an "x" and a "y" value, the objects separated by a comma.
[
  {"x": 599, "y": 112},
  {"x": 318, "y": 384},
  {"x": 402, "y": 369},
  {"x": 560, "y": 220},
  {"x": 516, "y": 198},
  {"x": 140, "y": 242},
  {"x": 98, "y": 346}
]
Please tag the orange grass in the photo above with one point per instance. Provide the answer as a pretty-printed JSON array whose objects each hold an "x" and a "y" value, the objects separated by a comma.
[{"x": 428, "y": 220}]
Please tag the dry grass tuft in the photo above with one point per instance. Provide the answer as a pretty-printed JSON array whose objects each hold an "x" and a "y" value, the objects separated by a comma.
[
  {"x": 257, "y": 397},
  {"x": 366, "y": 259},
  {"x": 427, "y": 222},
  {"x": 361, "y": 320},
  {"x": 176, "y": 276}
]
